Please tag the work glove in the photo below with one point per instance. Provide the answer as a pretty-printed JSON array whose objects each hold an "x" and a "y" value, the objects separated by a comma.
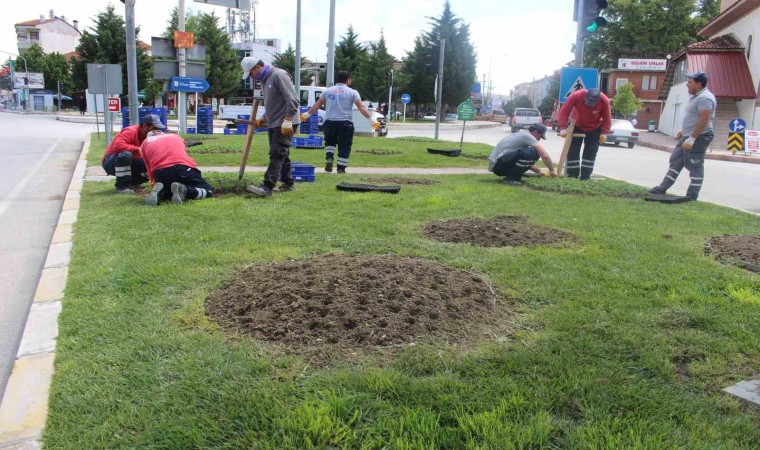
[
  {"x": 688, "y": 143},
  {"x": 287, "y": 128},
  {"x": 562, "y": 133},
  {"x": 261, "y": 122},
  {"x": 375, "y": 125},
  {"x": 602, "y": 138},
  {"x": 305, "y": 117},
  {"x": 553, "y": 174},
  {"x": 545, "y": 174}
]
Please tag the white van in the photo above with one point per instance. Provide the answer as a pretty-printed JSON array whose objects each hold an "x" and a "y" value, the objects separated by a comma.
[{"x": 308, "y": 96}]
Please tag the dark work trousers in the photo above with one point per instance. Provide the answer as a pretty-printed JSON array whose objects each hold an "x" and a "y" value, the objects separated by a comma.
[
  {"x": 279, "y": 158},
  {"x": 514, "y": 165},
  {"x": 693, "y": 160},
  {"x": 340, "y": 133},
  {"x": 585, "y": 166},
  {"x": 197, "y": 187},
  {"x": 129, "y": 171}
]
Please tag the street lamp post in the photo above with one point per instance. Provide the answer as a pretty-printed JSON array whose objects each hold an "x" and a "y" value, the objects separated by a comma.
[{"x": 26, "y": 79}]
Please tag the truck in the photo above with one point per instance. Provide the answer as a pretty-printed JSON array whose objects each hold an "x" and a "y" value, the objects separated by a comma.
[
  {"x": 308, "y": 96},
  {"x": 524, "y": 118}
]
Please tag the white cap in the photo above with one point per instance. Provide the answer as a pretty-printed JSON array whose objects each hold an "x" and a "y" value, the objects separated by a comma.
[{"x": 248, "y": 63}]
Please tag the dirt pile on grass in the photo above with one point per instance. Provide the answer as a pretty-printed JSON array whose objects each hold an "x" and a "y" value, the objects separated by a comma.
[
  {"x": 500, "y": 231},
  {"x": 742, "y": 250},
  {"x": 328, "y": 306}
]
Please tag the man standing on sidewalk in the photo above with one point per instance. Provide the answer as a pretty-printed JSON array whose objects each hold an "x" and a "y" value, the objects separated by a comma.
[
  {"x": 122, "y": 158},
  {"x": 695, "y": 136},
  {"x": 339, "y": 115},
  {"x": 280, "y": 113},
  {"x": 591, "y": 111}
]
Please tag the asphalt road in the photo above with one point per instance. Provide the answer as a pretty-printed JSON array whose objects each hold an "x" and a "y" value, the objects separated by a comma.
[
  {"x": 732, "y": 184},
  {"x": 38, "y": 157}
]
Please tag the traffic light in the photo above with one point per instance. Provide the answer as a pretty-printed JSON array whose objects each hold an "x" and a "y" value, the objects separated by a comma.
[
  {"x": 433, "y": 58},
  {"x": 588, "y": 18},
  {"x": 389, "y": 77}
]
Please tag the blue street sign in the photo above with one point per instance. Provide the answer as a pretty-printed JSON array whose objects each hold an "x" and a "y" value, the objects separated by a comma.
[
  {"x": 186, "y": 84},
  {"x": 737, "y": 125},
  {"x": 406, "y": 98},
  {"x": 573, "y": 79}
]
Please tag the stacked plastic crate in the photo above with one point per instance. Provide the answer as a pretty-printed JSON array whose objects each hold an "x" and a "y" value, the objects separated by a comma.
[
  {"x": 141, "y": 113},
  {"x": 205, "y": 123},
  {"x": 310, "y": 127}
]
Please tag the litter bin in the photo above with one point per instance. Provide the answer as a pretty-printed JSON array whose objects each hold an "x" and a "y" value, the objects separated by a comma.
[{"x": 651, "y": 126}]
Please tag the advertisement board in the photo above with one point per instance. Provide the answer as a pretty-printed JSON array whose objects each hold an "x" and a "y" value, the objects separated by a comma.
[
  {"x": 34, "y": 80},
  {"x": 658, "y": 65}
]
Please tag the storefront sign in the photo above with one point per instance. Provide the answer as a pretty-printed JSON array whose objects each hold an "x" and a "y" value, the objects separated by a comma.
[{"x": 658, "y": 65}]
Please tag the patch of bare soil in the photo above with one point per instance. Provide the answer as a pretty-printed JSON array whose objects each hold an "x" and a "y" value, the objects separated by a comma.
[
  {"x": 330, "y": 307},
  {"x": 378, "y": 152},
  {"x": 407, "y": 181},
  {"x": 500, "y": 231},
  {"x": 742, "y": 250}
]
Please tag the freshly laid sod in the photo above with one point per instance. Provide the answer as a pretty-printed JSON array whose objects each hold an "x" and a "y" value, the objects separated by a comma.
[
  {"x": 225, "y": 150},
  {"x": 621, "y": 339}
]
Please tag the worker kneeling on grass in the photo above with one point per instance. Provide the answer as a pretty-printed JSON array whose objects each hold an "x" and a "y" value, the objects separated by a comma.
[
  {"x": 172, "y": 172},
  {"x": 517, "y": 153}
]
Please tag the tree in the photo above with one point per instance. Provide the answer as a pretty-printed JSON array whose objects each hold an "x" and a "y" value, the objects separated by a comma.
[
  {"x": 625, "y": 101},
  {"x": 35, "y": 59},
  {"x": 106, "y": 44},
  {"x": 419, "y": 81},
  {"x": 57, "y": 69},
  {"x": 374, "y": 73},
  {"x": 547, "y": 104},
  {"x": 192, "y": 22},
  {"x": 647, "y": 29},
  {"x": 287, "y": 62},
  {"x": 222, "y": 65},
  {"x": 350, "y": 55},
  {"x": 523, "y": 101}
]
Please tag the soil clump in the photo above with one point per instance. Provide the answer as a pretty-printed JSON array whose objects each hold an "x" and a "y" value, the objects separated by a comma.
[
  {"x": 500, "y": 231},
  {"x": 741, "y": 250}
]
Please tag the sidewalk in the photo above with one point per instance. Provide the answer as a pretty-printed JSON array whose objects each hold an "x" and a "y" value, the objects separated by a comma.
[{"x": 660, "y": 141}]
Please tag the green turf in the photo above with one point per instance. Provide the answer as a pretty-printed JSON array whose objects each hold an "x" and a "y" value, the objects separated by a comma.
[
  {"x": 223, "y": 150},
  {"x": 621, "y": 340}
]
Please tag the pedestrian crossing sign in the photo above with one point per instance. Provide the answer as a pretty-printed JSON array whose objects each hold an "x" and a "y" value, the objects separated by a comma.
[{"x": 573, "y": 79}]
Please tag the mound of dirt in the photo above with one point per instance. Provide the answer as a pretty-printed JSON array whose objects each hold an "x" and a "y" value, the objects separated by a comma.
[
  {"x": 742, "y": 250},
  {"x": 329, "y": 306},
  {"x": 378, "y": 152},
  {"x": 501, "y": 231},
  {"x": 408, "y": 181}
]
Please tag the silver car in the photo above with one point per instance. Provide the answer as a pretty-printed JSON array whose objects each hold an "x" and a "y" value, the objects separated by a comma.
[{"x": 623, "y": 131}]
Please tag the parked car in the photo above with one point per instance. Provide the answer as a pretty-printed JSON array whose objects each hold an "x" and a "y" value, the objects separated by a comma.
[
  {"x": 450, "y": 117},
  {"x": 623, "y": 131},
  {"x": 523, "y": 118},
  {"x": 497, "y": 115}
]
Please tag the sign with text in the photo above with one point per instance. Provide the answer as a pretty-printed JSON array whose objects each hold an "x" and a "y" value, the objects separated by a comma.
[
  {"x": 187, "y": 84},
  {"x": 239, "y": 4},
  {"x": 114, "y": 104},
  {"x": 33, "y": 80},
  {"x": 752, "y": 142},
  {"x": 657, "y": 65},
  {"x": 466, "y": 110}
]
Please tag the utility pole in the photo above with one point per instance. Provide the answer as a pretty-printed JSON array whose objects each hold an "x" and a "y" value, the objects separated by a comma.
[
  {"x": 181, "y": 54},
  {"x": 297, "y": 72},
  {"x": 129, "y": 13},
  {"x": 390, "y": 94},
  {"x": 331, "y": 47},
  {"x": 439, "y": 87},
  {"x": 579, "y": 40}
]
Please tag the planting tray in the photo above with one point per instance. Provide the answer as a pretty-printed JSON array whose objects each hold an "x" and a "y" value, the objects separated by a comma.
[
  {"x": 456, "y": 152},
  {"x": 360, "y": 187},
  {"x": 666, "y": 198}
]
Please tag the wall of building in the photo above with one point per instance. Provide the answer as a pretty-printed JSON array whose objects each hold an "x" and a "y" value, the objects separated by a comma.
[
  {"x": 743, "y": 29},
  {"x": 652, "y": 106},
  {"x": 58, "y": 36}
]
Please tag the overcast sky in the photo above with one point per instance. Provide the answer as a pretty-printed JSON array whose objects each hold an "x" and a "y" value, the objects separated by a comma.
[{"x": 536, "y": 36}]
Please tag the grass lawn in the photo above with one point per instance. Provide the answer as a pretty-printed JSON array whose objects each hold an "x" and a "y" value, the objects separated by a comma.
[
  {"x": 621, "y": 340},
  {"x": 221, "y": 150}
]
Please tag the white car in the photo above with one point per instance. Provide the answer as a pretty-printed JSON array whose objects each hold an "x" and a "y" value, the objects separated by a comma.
[{"x": 623, "y": 131}]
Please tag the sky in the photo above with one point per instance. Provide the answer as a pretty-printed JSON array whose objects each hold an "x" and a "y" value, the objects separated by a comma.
[{"x": 516, "y": 41}]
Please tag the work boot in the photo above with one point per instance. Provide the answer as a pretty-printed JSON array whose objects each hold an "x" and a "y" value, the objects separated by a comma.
[
  {"x": 259, "y": 191},
  {"x": 179, "y": 193},
  {"x": 124, "y": 190},
  {"x": 286, "y": 188},
  {"x": 512, "y": 182},
  {"x": 328, "y": 165},
  {"x": 657, "y": 190},
  {"x": 152, "y": 198}
]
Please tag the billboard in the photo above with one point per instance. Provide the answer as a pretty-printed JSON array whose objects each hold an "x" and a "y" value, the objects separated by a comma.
[
  {"x": 33, "y": 80},
  {"x": 658, "y": 65}
]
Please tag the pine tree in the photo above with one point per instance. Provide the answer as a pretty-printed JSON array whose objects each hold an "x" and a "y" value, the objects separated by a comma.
[
  {"x": 222, "y": 65},
  {"x": 373, "y": 75},
  {"x": 106, "y": 44},
  {"x": 287, "y": 62},
  {"x": 350, "y": 55}
]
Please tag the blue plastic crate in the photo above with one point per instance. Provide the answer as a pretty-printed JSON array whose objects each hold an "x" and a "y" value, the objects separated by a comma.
[
  {"x": 303, "y": 172},
  {"x": 308, "y": 142}
]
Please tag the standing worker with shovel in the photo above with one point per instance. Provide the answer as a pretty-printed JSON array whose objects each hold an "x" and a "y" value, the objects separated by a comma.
[{"x": 591, "y": 112}]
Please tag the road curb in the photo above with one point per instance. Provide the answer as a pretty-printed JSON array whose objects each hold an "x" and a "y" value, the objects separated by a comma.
[
  {"x": 708, "y": 155},
  {"x": 24, "y": 407}
]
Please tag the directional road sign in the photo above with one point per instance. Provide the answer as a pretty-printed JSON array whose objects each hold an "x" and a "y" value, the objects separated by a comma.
[
  {"x": 574, "y": 79},
  {"x": 186, "y": 84},
  {"x": 737, "y": 125},
  {"x": 406, "y": 98}
]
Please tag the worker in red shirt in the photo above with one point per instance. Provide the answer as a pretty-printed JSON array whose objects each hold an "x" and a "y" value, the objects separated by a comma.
[
  {"x": 591, "y": 111},
  {"x": 122, "y": 158},
  {"x": 172, "y": 172}
]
